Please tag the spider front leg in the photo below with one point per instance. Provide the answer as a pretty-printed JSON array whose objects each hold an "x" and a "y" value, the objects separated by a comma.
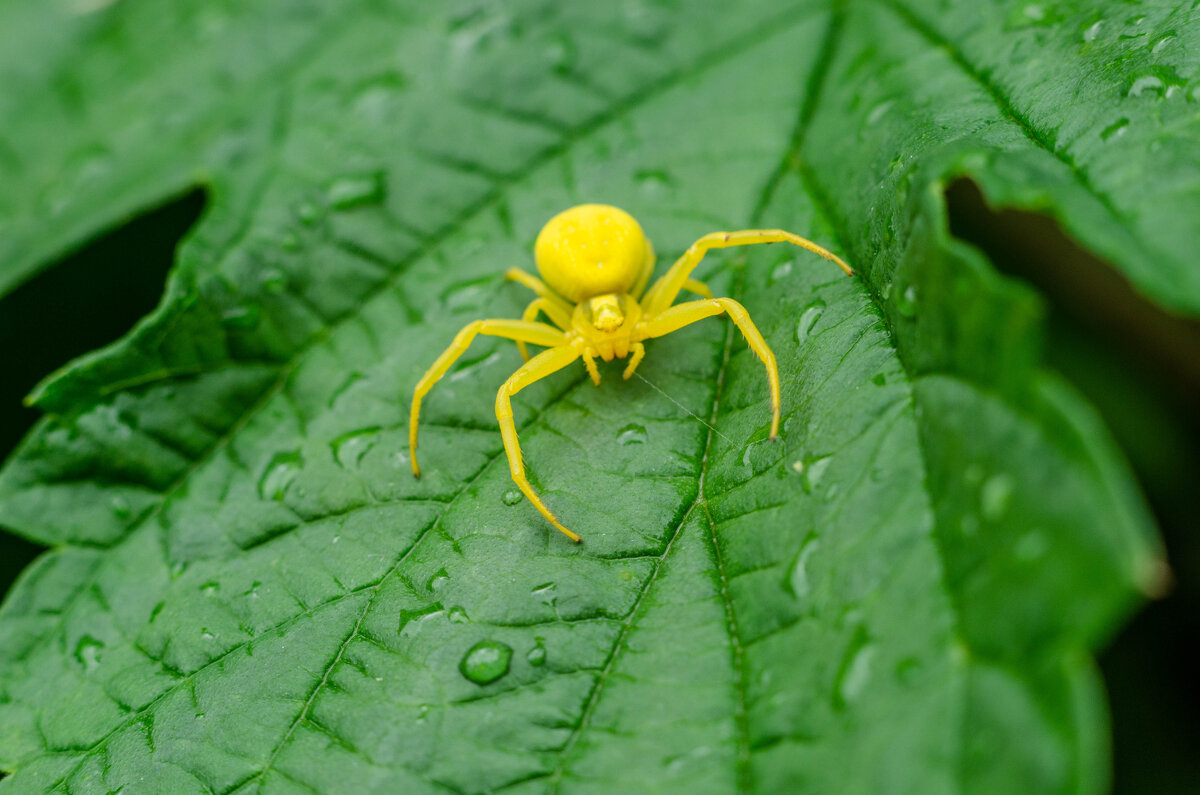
[
  {"x": 664, "y": 292},
  {"x": 682, "y": 315},
  {"x": 553, "y": 311},
  {"x": 520, "y": 330},
  {"x": 535, "y": 369}
]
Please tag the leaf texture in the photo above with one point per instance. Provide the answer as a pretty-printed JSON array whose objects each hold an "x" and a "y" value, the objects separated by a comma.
[{"x": 246, "y": 590}]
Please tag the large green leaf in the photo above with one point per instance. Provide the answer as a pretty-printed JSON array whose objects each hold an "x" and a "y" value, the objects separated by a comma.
[{"x": 247, "y": 590}]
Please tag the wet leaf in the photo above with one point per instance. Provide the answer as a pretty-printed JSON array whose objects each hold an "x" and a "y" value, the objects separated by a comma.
[{"x": 246, "y": 590}]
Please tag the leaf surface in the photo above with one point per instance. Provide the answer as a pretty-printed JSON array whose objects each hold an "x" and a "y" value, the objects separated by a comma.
[{"x": 247, "y": 591}]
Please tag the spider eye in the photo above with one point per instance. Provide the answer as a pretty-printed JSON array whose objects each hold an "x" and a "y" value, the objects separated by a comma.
[{"x": 591, "y": 249}]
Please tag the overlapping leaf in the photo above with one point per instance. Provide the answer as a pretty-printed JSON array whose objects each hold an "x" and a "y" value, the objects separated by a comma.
[{"x": 247, "y": 591}]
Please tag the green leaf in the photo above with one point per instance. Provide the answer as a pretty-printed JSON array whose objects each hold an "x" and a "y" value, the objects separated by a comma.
[{"x": 246, "y": 589}]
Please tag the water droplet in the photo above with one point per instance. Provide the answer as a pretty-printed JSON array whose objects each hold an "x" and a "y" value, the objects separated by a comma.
[
  {"x": 356, "y": 190},
  {"x": 798, "y": 582},
  {"x": 512, "y": 497},
  {"x": 87, "y": 651},
  {"x": 289, "y": 241},
  {"x": 1115, "y": 130},
  {"x": 654, "y": 181},
  {"x": 632, "y": 434},
  {"x": 206, "y": 635},
  {"x": 1092, "y": 31},
  {"x": 349, "y": 448},
  {"x": 879, "y": 379},
  {"x": 808, "y": 319},
  {"x": 377, "y": 97},
  {"x": 563, "y": 54},
  {"x": 467, "y": 294},
  {"x": 855, "y": 676},
  {"x": 273, "y": 280},
  {"x": 780, "y": 271},
  {"x": 437, "y": 581},
  {"x": 252, "y": 591},
  {"x": 1161, "y": 44},
  {"x": 1147, "y": 84},
  {"x": 814, "y": 471},
  {"x": 537, "y": 655},
  {"x": 995, "y": 496},
  {"x": 797, "y": 466},
  {"x": 906, "y": 302},
  {"x": 879, "y": 111},
  {"x": 121, "y": 508},
  {"x": 1157, "y": 82},
  {"x": 410, "y": 620},
  {"x": 457, "y": 615},
  {"x": 280, "y": 474},
  {"x": 210, "y": 588},
  {"x": 486, "y": 662},
  {"x": 544, "y": 593},
  {"x": 1031, "y": 546},
  {"x": 240, "y": 317},
  {"x": 308, "y": 213}
]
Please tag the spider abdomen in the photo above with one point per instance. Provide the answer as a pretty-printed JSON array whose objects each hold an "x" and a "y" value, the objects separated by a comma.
[{"x": 590, "y": 250}]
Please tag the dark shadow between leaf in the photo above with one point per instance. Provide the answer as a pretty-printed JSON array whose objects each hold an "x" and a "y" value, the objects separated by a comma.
[
  {"x": 83, "y": 302},
  {"x": 1140, "y": 367}
]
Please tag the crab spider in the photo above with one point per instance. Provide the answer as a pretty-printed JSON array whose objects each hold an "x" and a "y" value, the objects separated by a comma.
[{"x": 595, "y": 263}]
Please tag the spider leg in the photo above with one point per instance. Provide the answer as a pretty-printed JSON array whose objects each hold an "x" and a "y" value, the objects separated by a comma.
[
  {"x": 540, "y": 287},
  {"x": 663, "y": 293},
  {"x": 639, "y": 350},
  {"x": 535, "y": 369},
  {"x": 699, "y": 288},
  {"x": 552, "y": 310},
  {"x": 537, "y": 333},
  {"x": 685, "y": 314},
  {"x": 590, "y": 362},
  {"x": 647, "y": 271}
]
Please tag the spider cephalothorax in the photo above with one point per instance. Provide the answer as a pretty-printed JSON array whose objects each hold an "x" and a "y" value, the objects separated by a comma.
[{"x": 596, "y": 262}]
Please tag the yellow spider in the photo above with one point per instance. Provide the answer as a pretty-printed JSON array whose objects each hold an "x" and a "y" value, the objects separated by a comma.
[{"x": 596, "y": 262}]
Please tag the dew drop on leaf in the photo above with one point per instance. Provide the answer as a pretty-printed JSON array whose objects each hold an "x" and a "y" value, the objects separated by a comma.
[
  {"x": 537, "y": 655},
  {"x": 1031, "y": 547},
  {"x": 210, "y": 588},
  {"x": 273, "y": 280},
  {"x": 995, "y": 496},
  {"x": 87, "y": 651},
  {"x": 808, "y": 319},
  {"x": 814, "y": 471},
  {"x": 632, "y": 434},
  {"x": 280, "y": 474},
  {"x": 1115, "y": 130},
  {"x": 456, "y": 615},
  {"x": 780, "y": 271},
  {"x": 545, "y": 593},
  {"x": 411, "y": 619},
  {"x": 240, "y": 317},
  {"x": 356, "y": 190},
  {"x": 906, "y": 302},
  {"x": 511, "y": 497},
  {"x": 486, "y": 662},
  {"x": 653, "y": 181},
  {"x": 120, "y": 507},
  {"x": 437, "y": 581},
  {"x": 308, "y": 213},
  {"x": 349, "y": 448},
  {"x": 855, "y": 675},
  {"x": 798, "y": 583}
]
